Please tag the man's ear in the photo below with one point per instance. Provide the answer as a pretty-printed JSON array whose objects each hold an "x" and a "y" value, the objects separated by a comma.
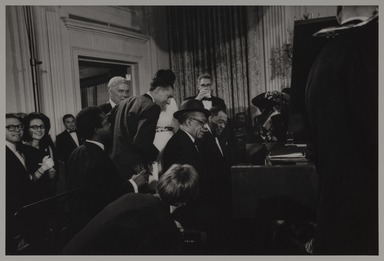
[
  {"x": 210, "y": 118},
  {"x": 156, "y": 90},
  {"x": 188, "y": 122}
]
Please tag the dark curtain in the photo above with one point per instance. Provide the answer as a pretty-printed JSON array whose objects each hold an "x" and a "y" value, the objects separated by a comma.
[{"x": 213, "y": 40}]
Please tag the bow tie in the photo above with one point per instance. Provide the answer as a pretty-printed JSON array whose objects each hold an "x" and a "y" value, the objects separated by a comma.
[
  {"x": 72, "y": 131},
  {"x": 207, "y": 99}
]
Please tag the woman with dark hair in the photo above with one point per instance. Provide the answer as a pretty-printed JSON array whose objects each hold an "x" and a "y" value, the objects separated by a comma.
[{"x": 40, "y": 154}]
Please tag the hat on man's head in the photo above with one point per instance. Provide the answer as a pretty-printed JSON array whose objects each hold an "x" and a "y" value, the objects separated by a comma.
[
  {"x": 262, "y": 102},
  {"x": 191, "y": 105}
]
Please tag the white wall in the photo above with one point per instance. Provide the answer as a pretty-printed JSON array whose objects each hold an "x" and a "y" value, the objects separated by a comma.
[{"x": 61, "y": 39}]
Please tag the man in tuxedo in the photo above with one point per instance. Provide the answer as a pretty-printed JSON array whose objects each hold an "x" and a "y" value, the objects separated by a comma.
[
  {"x": 217, "y": 205},
  {"x": 92, "y": 173},
  {"x": 205, "y": 85},
  {"x": 212, "y": 149},
  {"x": 18, "y": 180},
  {"x": 342, "y": 104},
  {"x": 118, "y": 90},
  {"x": 140, "y": 224},
  {"x": 135, "y": 121},
  {"x": 69, "y": 139}
]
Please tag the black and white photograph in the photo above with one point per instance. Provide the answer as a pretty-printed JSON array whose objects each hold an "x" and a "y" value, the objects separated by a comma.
[{"x": 194, "y": 129}]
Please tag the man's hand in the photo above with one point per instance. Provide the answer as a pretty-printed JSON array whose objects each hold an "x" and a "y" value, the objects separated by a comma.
[
  {"x": 203, "y": 93},
  {"x": 141, "y": 178}
]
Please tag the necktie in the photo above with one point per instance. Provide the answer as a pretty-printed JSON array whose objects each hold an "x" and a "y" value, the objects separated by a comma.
[{"x": 207, "y": 99}]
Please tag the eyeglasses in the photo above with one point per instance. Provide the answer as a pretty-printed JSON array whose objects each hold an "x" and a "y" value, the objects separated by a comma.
[
  {"x": 14, "y": 127},
  {"x": 202, "y": 123},
  {"x": 37, "y": 127}
]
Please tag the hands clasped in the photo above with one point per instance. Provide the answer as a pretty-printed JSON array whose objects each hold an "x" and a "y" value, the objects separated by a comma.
[{"x": 47, "y": 163}]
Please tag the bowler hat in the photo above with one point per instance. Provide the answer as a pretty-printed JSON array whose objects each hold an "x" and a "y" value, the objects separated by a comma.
[{"x": 190, "y": 106}]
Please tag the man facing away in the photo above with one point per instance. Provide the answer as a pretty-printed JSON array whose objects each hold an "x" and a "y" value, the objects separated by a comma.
[
  {"x": 91, "y": 173},
  {"x": 118, "y": 90},
  {"x": 140, "y": 224},
  {"x": 342, "y": 105}
]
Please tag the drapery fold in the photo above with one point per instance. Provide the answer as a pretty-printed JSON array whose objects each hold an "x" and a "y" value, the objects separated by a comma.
[{"x": 210, "y": 39}]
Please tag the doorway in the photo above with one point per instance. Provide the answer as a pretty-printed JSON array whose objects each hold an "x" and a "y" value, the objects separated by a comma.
[{"x": 95, "y": 74}]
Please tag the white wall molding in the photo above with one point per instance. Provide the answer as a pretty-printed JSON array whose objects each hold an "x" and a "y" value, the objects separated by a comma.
[{"x": 81, "y": 26}]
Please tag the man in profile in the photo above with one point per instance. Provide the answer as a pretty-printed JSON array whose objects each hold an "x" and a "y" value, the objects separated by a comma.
[
  {"x": 118, "y": 90},
  {"x": 134, "y": 128},
  {"x": 183, "y": 148}
]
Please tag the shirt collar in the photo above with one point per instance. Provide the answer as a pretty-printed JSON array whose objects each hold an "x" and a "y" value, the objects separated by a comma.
[
  {"x": 112, "y": 103},
  {"x": 149, "y": 94},
  {"x": 10, "y": 145},
  {"x": 190, "y": 136},
  {"x": 101, "y": 145}
]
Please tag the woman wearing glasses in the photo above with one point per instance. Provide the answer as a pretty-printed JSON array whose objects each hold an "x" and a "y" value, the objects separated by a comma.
[{"x": 40, "y": 154}]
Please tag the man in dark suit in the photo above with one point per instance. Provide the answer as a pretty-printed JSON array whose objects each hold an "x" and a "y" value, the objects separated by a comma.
[
  {"x": 69, "y": 139},
  {"x": 18, "y": 180},
  {"x": 92, "y": 173},
  {"x": 135, "y": 122},
  {"x": 212, "y": 150},
  {"x": 118, "y": 90},
  {"x": 342, "y": 104},
  {"x": 182, "y": 149},
  {"x": 140, "y": 224},
  {"x": 205, "y": 84},
  {"x": 217, "y": 205}
]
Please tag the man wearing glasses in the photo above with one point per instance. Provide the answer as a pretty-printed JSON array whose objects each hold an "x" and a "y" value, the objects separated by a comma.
[
  {"x": 205, "y": 86},
  {"x": 18, "y": 180},
  {"x": 182, "y": 149}
]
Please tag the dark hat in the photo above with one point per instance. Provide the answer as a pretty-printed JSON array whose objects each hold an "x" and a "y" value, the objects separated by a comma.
[
  {"x": 262, "y": 102},
  {"x": 190, "y": 106}
]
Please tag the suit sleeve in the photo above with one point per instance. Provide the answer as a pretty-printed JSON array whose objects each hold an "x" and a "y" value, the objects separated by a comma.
[
  {"x": 59, "y": 147},
  {"x": 146, "y": 129}
]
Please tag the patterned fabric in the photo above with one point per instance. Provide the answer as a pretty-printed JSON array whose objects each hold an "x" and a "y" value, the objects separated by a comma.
[{"x": 215, "y": 42}]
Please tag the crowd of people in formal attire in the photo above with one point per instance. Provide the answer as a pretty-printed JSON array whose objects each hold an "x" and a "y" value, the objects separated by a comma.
[
  {"x": 141, "y": 170},
  {"x": 127, "y": 145}
]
